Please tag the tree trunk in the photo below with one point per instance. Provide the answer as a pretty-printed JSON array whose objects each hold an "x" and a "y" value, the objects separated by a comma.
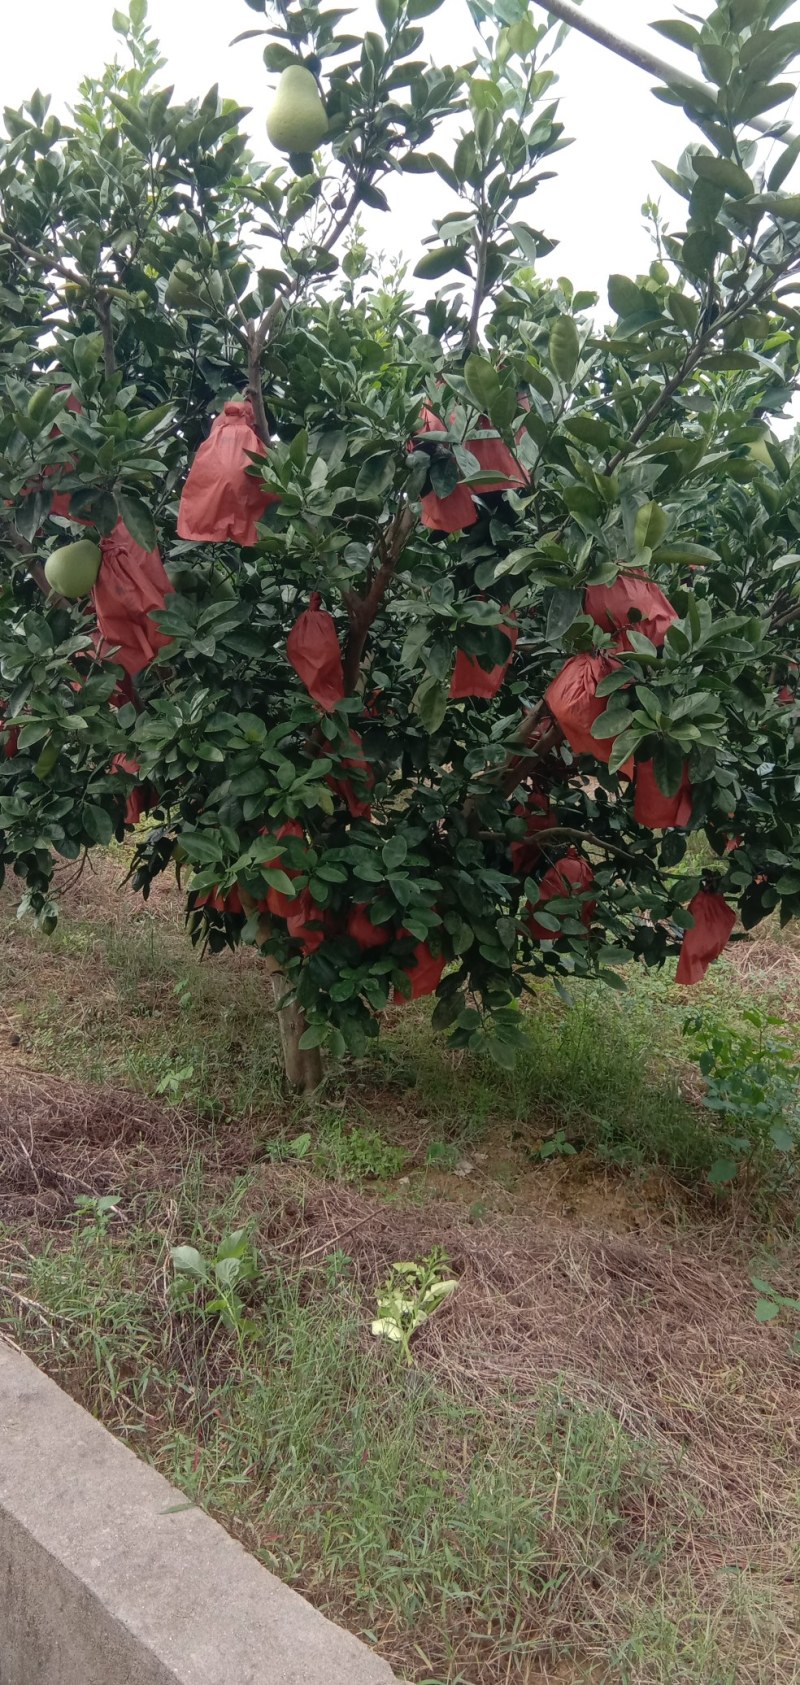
[{"x": 303, "y": 1066}]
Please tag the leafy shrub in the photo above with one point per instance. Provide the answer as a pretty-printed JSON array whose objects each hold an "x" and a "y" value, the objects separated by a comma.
[{"x": 751, "y": 1079}]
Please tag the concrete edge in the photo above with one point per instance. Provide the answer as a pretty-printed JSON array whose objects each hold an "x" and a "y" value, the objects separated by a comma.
[{"x": 108, "y": 1578}]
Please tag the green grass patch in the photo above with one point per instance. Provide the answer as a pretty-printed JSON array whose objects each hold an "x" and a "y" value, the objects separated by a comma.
[{"x": 475, "y": 1539}]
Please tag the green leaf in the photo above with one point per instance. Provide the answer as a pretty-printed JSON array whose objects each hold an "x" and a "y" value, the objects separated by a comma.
[
  {"x": 589, "y": 430},
  {"x": 668, "y": 766},
  {"x": 684, "y": 311},
  {"x": 188, "y": 1261},
  {"x": 780, "y": 204},
  {"x": 685, "y": 552},
  {"x": 700, "y": 251},
  {"x": 565, "y": 606},
  {"x": 722, "y": 1170},
  {"x": 437, "y": 262},
  {"x": 766, "y": 1310},
  {"x": 97, "y": 824},
  {"x": 683, "y": 34},
  {"x": 430, "y": 702},
  {"x": 564, "y": 348},
  {"x": 649, "y": 527},
  {"x": 314, "y": 1036},
  {"x": 722, "y": 172},
  {"x": 138, "y": 520},
  {"x": 483, "y": 381},
  {"x": 782, "y": 1138},
  {"x": 716, "y": 62},
  {"x": 375, "y": 475},
  {"x": 48, "y": 758},
  {"x": 623, "y": 295},
  {"x": 279, "y": 880},
  {"x": 785, "y": 164},
  {"x": 624, "y": 746},
  {"x": 394, "y": 852}
]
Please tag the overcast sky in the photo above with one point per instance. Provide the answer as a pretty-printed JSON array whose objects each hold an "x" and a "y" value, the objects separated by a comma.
[{"x": 593, "y": 209}]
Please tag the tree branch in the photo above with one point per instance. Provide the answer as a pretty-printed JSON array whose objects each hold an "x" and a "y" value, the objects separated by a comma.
[
  {"x": 480, "y": 283},
  {"x": 104, "y": 317},
  {"x": 639, "y": 56},
  {"x": 362, "y": 610},
  {"x": 255, "y": 393},
  {"x": 693, "y": 356}
]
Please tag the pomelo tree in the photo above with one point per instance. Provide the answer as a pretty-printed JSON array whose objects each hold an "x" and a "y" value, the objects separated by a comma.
[{"x": 434, "y": 619}]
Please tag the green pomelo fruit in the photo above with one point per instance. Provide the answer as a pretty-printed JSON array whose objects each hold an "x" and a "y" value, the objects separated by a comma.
[
  {"x": 297, "y": 121},
  {"x": 183, "y": 288},
  {"x": 758, "y": 451},
  {"x": 72, "y": 570}
]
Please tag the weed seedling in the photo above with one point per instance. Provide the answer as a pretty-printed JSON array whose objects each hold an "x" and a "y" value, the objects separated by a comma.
[{"x": 409, "y": 1298}]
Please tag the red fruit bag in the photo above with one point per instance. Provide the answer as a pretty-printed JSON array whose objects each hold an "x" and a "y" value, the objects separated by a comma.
[
  {"x": 444, "y": 514},
  {"x": 358, "y": 806},
  {"x": 656, "y": 811},
  {"x": 220, "y": 499},
  {"x": 538, "y": 816},
  {"x": 313, "y": 650},
  {"x": 362, "y": 930},
  {"x": 569, "y": 877},
  {"x": 277, "y": 901},
  {"x": 493, "y": 455},
  {"x": 575, "y": 705},
  {"x": 140, "y": 799},
  {"x": 471, "y": 679},
  {"x": 786, "y": 696},
  {"x": 713, "y": 922},
  {"x": 616, "y": 607},
  {"x": 307, "y": 923},
  {"x": 425, "y": 971},
  {"x": 230, "y": 903},
  {"x": 9, "y": 736},
  {"x": 131, "y": 585}
]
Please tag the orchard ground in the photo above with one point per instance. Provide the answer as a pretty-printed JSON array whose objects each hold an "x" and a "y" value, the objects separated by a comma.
[{"x": 590, "y": 1472}]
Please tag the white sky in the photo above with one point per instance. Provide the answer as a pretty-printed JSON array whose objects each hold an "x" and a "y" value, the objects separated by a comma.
[{"x": 593, "y": 209}]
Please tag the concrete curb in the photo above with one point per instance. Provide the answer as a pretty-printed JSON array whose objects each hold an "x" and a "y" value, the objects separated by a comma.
[{"x": 103, "y": 1581}]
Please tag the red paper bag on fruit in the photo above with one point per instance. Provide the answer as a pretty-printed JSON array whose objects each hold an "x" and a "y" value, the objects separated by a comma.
[
  {"x": 471, "y": 679},
  {"x": 220, "y": 499},
  {"x": 652, "y": 808},
  {"x": 313, "y": 650},
  {"x": 568, "y": 878},
  {"x": 575, "y": 705},
  {"x": 131, "y": 586},
  {"x": 632, "y": 603},
  {"x": 713, "y": 922},
  {"x": 424, "y": 970}
]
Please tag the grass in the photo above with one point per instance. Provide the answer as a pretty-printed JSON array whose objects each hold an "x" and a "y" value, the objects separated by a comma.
[
  {"x": 586, "y": 1475},
  {"x": 463, "y": 1535}
]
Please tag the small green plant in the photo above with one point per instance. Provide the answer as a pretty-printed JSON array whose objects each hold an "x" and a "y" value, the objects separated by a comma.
[
  {"x": 214, "y": 1286},
  {"x": 442, "y": 1155},
  {"x": 99, "y": 1211},
  {"x": 298, "y": 1148},
  {"x": 751, "y": 1079},
  {"x": 175, "y": 1081},
  {"x": 770, "y": 1304},
  {"x": 357, "y": 1154},
  {"x": 409, "y": 1298},
  {"x": 556, "y": 1146},
  {"x": 183, "y": 994}
]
